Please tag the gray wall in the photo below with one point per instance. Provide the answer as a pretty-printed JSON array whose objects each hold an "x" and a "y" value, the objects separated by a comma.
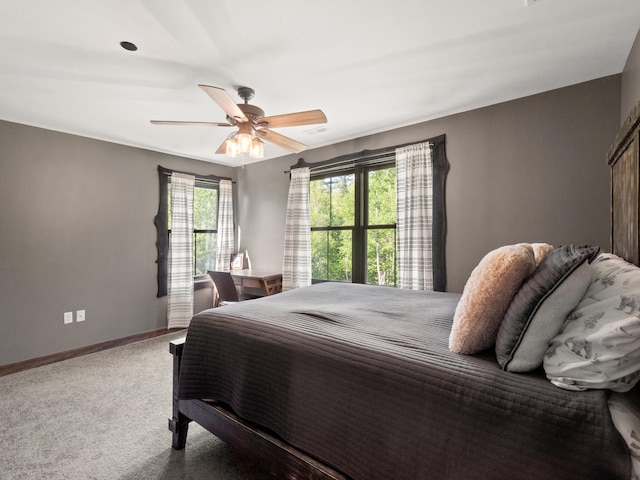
[
  {"x": 77, "y": 232},
  {"x": 529, "y": 170},
  {"x": 630, "y": 94}
]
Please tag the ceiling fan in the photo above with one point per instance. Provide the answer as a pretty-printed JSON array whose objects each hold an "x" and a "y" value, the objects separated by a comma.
[{"x": 252, "y": 124}]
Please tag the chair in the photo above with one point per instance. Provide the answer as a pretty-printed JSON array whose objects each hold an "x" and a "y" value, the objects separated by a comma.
[{"x": 227, "y": 291}]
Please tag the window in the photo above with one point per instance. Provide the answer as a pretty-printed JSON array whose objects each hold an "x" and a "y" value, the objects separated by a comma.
[
  {"x": 353, "y": 225},
  {"x": 205, "y": 228},
  {"x": 205, "y": 224},
  {"x": 353, "y": 216}
]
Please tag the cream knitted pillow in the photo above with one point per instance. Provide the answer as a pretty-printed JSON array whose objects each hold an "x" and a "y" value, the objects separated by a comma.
[{"x": 487, "y": 295}]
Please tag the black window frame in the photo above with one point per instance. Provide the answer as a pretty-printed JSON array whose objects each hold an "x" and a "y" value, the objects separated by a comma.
[
  {"x": 361, "y": 224},
  {"x": 161, "y": 220}
]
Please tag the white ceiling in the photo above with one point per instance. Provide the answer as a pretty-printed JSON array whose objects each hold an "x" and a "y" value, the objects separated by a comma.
[{"x": 370, "y": 65}]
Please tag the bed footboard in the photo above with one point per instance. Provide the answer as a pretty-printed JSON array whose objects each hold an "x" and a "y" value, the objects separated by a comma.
[{"x": 245, "y": 441}]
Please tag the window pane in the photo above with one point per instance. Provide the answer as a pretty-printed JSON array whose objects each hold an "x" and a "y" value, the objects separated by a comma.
[
  {"x": 332, "y": 201},
  {"x": 340, "y": 255},
  {"x": 205, "y": 208},
  {"x": 382, "y": 196},
  {"x": 342, "y": 201},
  {"x": 319, "y": 255},
  {"x": 320, "y": 202},
  {"x": 381, "y": 256},
  {"x": 331, "y": 257},
  {"x": 205, "y": 252},
  {"x": 333, "y": 207}
]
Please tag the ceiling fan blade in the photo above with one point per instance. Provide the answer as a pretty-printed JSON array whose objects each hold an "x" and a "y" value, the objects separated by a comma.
[
  {"x": 226, "y": 103},
  {"x": 172, "y": 122},
  {"x": 281, "y": 140},
  {"x": 310, "y": 117}
]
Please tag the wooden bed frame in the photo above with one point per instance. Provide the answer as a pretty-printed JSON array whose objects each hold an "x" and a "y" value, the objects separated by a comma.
[
  {"x": 624, "y": 159},
  {"x": 284, "y": 461}
]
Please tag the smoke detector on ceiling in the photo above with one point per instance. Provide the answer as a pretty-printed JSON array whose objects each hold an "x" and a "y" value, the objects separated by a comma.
[{"x": 528, "y": 3}]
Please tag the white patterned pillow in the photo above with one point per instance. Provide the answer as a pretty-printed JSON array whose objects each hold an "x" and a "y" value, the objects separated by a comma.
[{"x": 599, "y": 345}]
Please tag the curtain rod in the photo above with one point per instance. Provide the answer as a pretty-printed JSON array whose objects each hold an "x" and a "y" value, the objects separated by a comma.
[
  {"x": 360, "y": 156},
  {"x": 167, "y": 171}
]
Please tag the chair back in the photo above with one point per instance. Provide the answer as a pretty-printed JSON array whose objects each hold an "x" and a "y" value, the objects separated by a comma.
[{"x": 225, "y": 286}]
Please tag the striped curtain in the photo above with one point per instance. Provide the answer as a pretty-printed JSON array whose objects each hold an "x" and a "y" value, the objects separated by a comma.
[
  {"x": 180, "y": 288},
  {"x": 225, "y": 245},
  {"x": 296, "y": 265},
  {"x": 414, "y": 186}
]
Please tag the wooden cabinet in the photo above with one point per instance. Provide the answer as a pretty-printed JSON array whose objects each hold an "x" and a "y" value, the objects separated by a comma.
[{"x": 625, "y": 200}]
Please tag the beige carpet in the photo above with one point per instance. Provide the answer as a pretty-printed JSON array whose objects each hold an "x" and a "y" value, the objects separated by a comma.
[{"x": 103, "y": 416}]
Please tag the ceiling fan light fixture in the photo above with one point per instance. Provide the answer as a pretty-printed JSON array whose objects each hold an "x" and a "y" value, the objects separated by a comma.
[
  {"x": 232, "y": 149},
  {"x": 244, "y": 142},
  {"x": 244, "y": 137},
  {"x": 257, "y": 148}
]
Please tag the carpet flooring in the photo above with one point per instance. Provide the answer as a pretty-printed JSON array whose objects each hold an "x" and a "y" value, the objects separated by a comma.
[{"x": 104, "y": 416}]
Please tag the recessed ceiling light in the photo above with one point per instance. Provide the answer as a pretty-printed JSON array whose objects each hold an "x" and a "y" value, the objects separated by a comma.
[{"x": 129, "y": 46}]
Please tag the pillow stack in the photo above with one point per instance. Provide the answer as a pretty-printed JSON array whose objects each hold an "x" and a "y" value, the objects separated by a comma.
[{"x": 570, "y": 309}]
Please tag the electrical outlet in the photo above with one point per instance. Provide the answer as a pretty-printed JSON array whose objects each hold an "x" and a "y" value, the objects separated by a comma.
[
  {"x": 68, "y": 317},
  {"x": 80, "y": 316}
]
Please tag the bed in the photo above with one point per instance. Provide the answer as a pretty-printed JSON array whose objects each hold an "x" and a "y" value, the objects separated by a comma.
[{"x": 337, "y": 381}]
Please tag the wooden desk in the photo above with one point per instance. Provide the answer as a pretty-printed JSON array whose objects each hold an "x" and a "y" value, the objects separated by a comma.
[{"x": 268, "y": 281}]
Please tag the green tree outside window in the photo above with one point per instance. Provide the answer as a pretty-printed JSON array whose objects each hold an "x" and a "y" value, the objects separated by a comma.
[{"x": 345, "y": 233}]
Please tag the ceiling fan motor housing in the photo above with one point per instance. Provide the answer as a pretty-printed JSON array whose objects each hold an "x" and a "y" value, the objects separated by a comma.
[{"x": 250, "y": 111}]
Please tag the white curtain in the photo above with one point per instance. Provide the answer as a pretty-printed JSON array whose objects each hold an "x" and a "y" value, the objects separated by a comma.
[
  {"x": 225, "y": 245},
  {"x": 296, "y": 265},
  {"x": 180, "y": 288},
  {"x": 414, "y": 216}
]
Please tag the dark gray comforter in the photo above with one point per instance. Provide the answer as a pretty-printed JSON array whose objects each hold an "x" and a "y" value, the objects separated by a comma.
[{"x": 361, "y": 378}]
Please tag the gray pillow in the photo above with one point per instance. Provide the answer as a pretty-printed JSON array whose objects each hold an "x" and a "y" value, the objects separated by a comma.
[{"x": 542, "y": 305}]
